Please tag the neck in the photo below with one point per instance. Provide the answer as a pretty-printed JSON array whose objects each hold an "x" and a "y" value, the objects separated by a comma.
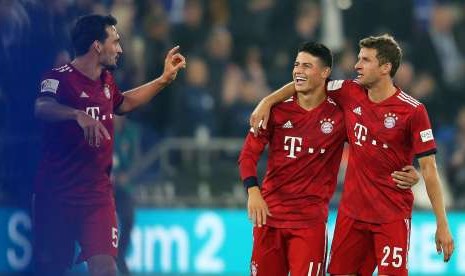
[
  {"x": 88, "y": 66},
  {"x": 308, "y": 100},
  {"x": 381, "y": 90}
]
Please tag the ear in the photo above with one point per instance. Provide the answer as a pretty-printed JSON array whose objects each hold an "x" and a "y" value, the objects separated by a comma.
[
  {"x": 386, "y": 68},
  {"x": 326, "y": 72},
  {"x": 97, "y": 46}
]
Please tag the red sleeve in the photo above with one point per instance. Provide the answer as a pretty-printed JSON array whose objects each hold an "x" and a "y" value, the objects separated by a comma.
[
  {"x": 251, "y": 152},
  {"x": 117, "y": 97},
  {"x": 422, "y": 135},
  {"x": 50, "y": 86},
  {"x": 338, "y": 89}
]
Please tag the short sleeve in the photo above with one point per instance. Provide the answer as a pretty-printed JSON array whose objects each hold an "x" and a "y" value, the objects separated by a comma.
[
  {"x": 339, "y": 89},
  {"x": 50, "y": 86},
  {"x": 422, "y": 135}
]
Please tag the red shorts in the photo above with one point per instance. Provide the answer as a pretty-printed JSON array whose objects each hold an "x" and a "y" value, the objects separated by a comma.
[
  {"x": 278, "y": 251},
  {"x": 57, "y": 227},
  {"x": 358, "y": 247}
]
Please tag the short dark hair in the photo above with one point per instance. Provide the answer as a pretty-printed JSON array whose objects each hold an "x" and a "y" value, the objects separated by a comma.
[
  {"x": 318, "y": 50},
  {"x": 88, "y": 29},
  {"x": 388, "y": 50}
]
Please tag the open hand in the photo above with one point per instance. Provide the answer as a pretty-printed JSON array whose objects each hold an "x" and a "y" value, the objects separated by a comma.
[
  {"x": 257, "y": 208},
  {"x": 94, "y": 131}
]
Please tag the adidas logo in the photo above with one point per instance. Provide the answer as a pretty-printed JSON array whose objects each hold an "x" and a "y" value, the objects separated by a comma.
[
  {"x": 358, "y": 110},
  {"x": 84, "y": 95},
  {"x": 288, "y": 124}
]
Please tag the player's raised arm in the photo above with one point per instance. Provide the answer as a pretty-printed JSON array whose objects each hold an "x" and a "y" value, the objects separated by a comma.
[
  {"x": 444, "y": 242},
  {"x": 261, "y": 113},
  {"x": 135, "y": 97}
]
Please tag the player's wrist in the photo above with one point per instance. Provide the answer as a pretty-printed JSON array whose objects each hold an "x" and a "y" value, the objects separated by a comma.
[
  {"x": 76, "y": 114},
  {"x": 164, "y": 80},
  {"x": 250, "y": 182}
]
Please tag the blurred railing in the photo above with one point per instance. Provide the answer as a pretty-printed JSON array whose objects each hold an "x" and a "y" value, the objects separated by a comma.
[{"x": 187, "y": 172}]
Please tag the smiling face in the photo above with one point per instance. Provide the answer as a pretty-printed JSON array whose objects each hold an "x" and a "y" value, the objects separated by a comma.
[
  {"x": 369, "y": 70},
  {"x": 309, "y": 73},
  {"x": 110, "y": 49}
]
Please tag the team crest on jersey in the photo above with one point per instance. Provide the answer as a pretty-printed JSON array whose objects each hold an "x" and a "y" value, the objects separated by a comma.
[
  {"x": 253, "y": 268},
  {"x": 390, "y": 120},
  {"x": 106, "y": 90},
  {"x": 327, "y": 125}
]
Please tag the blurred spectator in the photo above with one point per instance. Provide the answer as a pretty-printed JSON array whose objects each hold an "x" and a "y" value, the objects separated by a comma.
[
  {"x": 440, "y": 56},
  {"x": 191, "y": 33},
  {"x": 218, "y": 13},
  {"x": 345, "y": 61},
  {"x": 157, "y": 42},
  {"x": 132, "y": 61},
  {"x": 241, "y": 92},
  {"x": 424, "y": 88},
  {"x": 195, "y": 104},
  {"x": 218, "y": 54},
  {"x": 456, "y": 164}
]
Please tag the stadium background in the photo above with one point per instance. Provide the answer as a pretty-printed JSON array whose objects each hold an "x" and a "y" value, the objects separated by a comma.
[{"x": 177, "y": 156}]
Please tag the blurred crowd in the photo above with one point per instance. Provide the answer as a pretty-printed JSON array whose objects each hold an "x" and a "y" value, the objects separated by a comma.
[{"x": 238, "y": 51}]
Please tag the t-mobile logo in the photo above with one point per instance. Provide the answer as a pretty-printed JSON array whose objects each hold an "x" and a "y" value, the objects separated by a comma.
[
  {"x": 293, "y": 147},
  {"x": 360, "y": 133},
  {"x": 93, "y": 111}
]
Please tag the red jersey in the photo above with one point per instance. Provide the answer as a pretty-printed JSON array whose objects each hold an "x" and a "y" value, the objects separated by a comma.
[
  {"x": 305, "y": 149},
  {"x": 383, "y": 137},
  {"x": 70, "y": 169}
]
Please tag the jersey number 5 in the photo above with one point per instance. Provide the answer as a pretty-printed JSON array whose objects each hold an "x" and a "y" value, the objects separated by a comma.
[{"x": 114, "y": 237}]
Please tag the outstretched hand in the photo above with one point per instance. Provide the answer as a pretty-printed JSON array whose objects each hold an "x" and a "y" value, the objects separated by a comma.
[{"x": 174, "y": 62}]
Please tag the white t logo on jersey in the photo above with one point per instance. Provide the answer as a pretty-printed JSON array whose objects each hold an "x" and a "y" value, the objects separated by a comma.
[
  {"x": 293, "y": 147},
  {"x": 360, "y": 133},
  {"x": 93, "y": 111}
]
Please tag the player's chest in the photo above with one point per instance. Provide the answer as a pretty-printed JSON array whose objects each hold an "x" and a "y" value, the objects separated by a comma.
[
  {"x": 95, "y": 99},
  {"x": 376, "y": 125},
  {"x": 306, "y": 131}
]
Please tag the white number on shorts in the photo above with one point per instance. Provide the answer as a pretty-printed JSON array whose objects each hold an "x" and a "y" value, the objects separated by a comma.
[
  {"x": 396, "y": 256},
  {"x": 114, "y": 237}
]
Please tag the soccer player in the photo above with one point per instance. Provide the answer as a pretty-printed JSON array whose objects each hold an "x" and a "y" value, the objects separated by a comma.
[
  {"x": 306, "y": 136},
  {"x": 73, "y": 194},
  {"x": 386, "y": 129}
]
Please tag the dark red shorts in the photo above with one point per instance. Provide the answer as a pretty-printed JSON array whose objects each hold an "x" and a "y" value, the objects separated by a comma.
[
  {"x": 57, "y": 228},
  {"x": 278, "y": 251},
  {"x": 358, "y": 247}
]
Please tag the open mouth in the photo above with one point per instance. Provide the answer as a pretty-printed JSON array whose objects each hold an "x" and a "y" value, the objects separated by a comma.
[{"x": 300, "y": 80}]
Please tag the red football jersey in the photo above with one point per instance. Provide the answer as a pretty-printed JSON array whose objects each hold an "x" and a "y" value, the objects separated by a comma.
[
  {"x": 70, "y": 169},
  {"x": 383, "y": 137},
  {"x": 305, "y": 149}
]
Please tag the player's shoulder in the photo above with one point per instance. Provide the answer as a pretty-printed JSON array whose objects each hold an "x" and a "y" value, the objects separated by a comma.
[
  {"x": 52, "y": 79},
  {"x": 336, "y": 85},
  {"x": 61, "y": 72},
  {"x": 408, "y": 101}
]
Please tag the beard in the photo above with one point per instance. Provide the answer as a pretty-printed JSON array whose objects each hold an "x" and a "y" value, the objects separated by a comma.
[{"x": 110, "y": 67}]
